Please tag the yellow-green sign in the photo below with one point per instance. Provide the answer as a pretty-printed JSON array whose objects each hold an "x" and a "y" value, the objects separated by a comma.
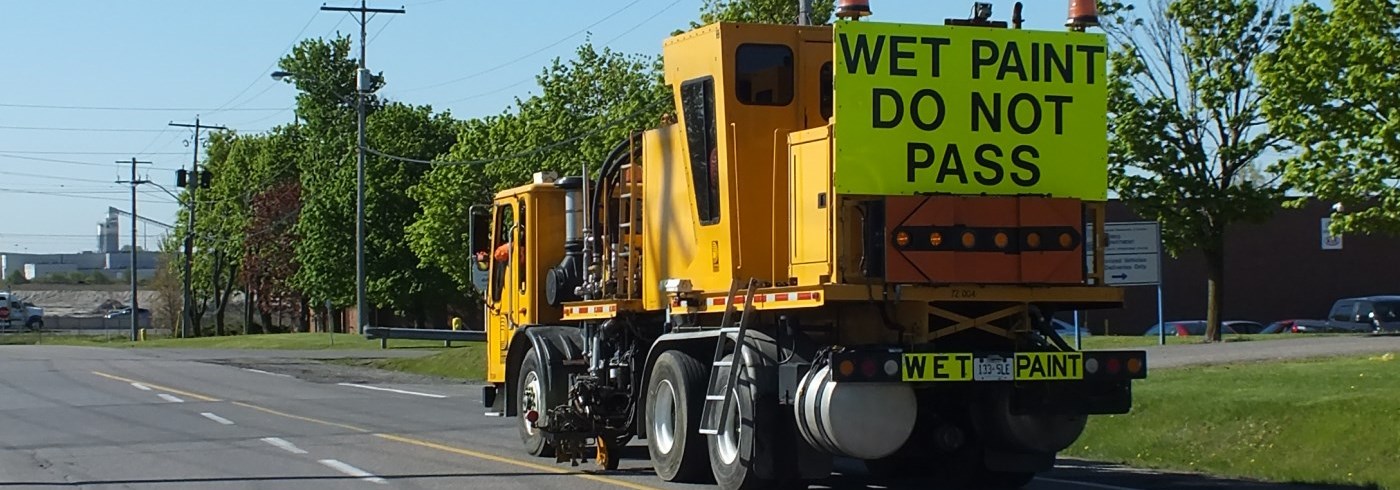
[{"x": 970, "y": 110}]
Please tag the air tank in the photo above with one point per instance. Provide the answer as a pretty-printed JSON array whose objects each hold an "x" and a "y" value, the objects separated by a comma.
[{"x": 858, "y": 420}]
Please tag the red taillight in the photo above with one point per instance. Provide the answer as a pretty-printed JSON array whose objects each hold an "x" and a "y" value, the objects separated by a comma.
[
  {"x": 867, "y": 367},
  {"x": 4, "y": 312},
  {"x": 1181, "y": 331},
  {"x": 1293, "y": 328},
  {"x": 1113, "y": 365},
  {"x": 532, "y": 416}
]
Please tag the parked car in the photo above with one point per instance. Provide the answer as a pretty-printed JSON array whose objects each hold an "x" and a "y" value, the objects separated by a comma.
[
  {"x": 1066, "y": 329},
  {"x": 1299, "y": 326},
  {"x": 1189, "y": 328},
  {"x": 126, "y": 312},
  {"x": 1368, "y": 314}
]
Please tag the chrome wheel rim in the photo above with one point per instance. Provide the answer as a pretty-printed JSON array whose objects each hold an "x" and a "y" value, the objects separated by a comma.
[{"x": 663, "y": 416}]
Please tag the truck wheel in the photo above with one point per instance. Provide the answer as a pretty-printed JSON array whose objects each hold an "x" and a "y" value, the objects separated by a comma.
[
  {"x": 675, "y": 398},
  {"x": 530, "y": 394},
  {"x": 735, "y": 449}
]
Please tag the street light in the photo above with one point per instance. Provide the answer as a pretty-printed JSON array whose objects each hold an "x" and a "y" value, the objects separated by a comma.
[{"x": 280, "y": 75}]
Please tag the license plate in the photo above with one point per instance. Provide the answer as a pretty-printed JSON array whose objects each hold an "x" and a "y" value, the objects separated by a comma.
[{"x": 993, "y": 368}]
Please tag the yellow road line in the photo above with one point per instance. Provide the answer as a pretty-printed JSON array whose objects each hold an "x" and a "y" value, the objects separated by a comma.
[
  {"x": 298, "y": 417},
  {"x": 196, "y": 396},
  {"x": 514, "y": 462}
]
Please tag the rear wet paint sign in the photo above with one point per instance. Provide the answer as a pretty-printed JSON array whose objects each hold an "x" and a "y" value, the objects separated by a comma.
[
  {"x": 1021, "y": 366},
  {"x": 970, "y": 110}
]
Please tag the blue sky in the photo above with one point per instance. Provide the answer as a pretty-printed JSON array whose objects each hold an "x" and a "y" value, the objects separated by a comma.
[{"x": 212, "y": 59}]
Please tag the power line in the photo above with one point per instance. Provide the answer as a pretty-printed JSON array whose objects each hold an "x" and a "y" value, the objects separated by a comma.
[
  {"x": 53, "y": 152},
  {"x": 605, "y": 43},
  {"x": 520, "y": 58},
  {"x": 263, "y": 74},
  {"x": 94, "y": 130},
  {"x": 145, "y": 109}
]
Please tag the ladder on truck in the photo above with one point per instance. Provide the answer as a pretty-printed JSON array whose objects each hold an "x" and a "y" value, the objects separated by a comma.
[
  {"x": 629, "y": 224},
  {"x": 722, "y": 393}
]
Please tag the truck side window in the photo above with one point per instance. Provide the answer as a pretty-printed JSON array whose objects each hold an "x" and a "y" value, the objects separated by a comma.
[
  {"x": 505, "y": 224},
  {"x": 698, "y": 106},
  {"x": 763, "y": 74},
  {"x": 519, "y": 251},
  {"x": 828, "y": 90}
]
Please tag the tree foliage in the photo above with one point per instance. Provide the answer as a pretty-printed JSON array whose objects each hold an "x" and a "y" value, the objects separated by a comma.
[
  {"x": 395, "y": 278},
  {"x": 1331, "y": 89},
  {"x": 602, "y": 95},
  {"x": 1185, "y": 120},
  {"x": 763, "y": 11}
]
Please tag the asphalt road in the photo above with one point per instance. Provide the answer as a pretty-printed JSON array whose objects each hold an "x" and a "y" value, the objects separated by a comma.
[{"x": 129, "y": 418}]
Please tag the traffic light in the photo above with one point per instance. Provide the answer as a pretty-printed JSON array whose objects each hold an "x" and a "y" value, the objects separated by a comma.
[
  {"x": 182, "y": 178},
  {"x": 205, "y": 178}
]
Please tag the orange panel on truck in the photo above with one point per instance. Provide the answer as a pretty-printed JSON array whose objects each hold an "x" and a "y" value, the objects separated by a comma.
[{"x": 983, "y": 239}]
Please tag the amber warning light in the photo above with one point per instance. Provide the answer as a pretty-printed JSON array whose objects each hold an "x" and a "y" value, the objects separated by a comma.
[
  {"x": 1083, "y": 14},
  {"x": 852, "y": 9}
]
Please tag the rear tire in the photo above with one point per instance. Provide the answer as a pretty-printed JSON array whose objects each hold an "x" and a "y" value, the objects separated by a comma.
[
  {"x": 531, "y": 389},
  {"x": 675, "y": 399},
  {"x": 734, "y": 451}
]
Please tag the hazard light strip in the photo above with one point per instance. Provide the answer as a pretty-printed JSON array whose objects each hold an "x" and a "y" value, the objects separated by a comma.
[
  {"x": 590, "y": 312},
  {"x": 771, "y": 300}
]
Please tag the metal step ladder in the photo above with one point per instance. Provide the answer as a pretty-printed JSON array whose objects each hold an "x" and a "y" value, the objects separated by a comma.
[
  {"x": 722, "y": 394},
  {"x": 630, "y": 225}
]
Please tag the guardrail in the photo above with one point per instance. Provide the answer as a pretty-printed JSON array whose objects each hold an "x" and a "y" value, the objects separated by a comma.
[{"x": 446, "y": 336}]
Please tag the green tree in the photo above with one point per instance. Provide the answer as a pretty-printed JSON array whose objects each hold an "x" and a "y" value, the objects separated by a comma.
[
  {"x": 763, "y": 11},
  {"x": 396, "y": 278},
  {"x": 325, "y": 251},
  {"x": 1185, "y": 121},
  {"x": 16, "y": 277},
  {"x": 99, "y": 277},
  {"x": 1331, "y": 89},
  {"x": 601, "y": 95}
]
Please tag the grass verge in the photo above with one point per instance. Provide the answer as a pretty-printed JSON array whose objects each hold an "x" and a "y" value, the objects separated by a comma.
[
  {"x": 1322, "y": 421},
  {"x": 1131, "y": 341},
  {"x": 465, "y": 362},
  {"x": 297, "y": 341}
]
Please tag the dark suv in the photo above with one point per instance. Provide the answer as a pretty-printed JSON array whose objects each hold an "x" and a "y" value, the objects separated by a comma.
[{"x": 1370, "y": 314}]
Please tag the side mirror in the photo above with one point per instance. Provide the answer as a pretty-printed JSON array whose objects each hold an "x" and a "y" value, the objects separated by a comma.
[{"x": 479, "y": 239}]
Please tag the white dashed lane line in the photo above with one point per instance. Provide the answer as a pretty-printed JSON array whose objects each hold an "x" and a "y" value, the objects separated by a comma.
[
  {"x": 391, "y": 390},
  {"x": 352, "y": 471},
  {"x": 170, "y": 398},
  {"x": 283, "y": 445},
  {"x": 216, "y": 418},
  {"x": 259, "y": 371},
  {"x": 141, "y": 387}
]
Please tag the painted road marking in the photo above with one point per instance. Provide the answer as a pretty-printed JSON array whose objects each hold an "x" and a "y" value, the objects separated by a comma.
[
  {"x": 352, "y": 471},
  {"x": 141, "y": 387},
  {"x": 513, "y": 462},
  {"x": 196, "y": 396},
  {"x": 283, "y": 445},
  {"x": 216, "y": 418},
  {"x": 406, "y": 440},
  {"x": 1084, "y": 484},
  {"x": 170, "y": 398},
  {"x": 259, "y": 371},
  {"x": 391, "y": 390},
  {"x": 298, "y": 417}
]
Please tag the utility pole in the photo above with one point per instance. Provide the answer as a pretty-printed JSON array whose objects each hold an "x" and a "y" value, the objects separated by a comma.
[
  {"x": 131, "y": 268},
  {"x": 187, "y": 308},
  {"x": 363, "y": 84},
  {"x": 804, "y": 12}
]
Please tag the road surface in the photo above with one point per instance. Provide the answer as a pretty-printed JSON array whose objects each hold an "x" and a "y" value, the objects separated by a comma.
[{"x": 81, "y": 417}]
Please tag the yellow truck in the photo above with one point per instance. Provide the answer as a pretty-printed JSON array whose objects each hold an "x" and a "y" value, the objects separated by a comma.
[{"x": 849, "y": 242}]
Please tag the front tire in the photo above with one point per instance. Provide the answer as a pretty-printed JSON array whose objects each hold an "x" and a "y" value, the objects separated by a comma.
[
  {"x": 531, "y": 389},
  {"x": 675, "y": 398}
]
